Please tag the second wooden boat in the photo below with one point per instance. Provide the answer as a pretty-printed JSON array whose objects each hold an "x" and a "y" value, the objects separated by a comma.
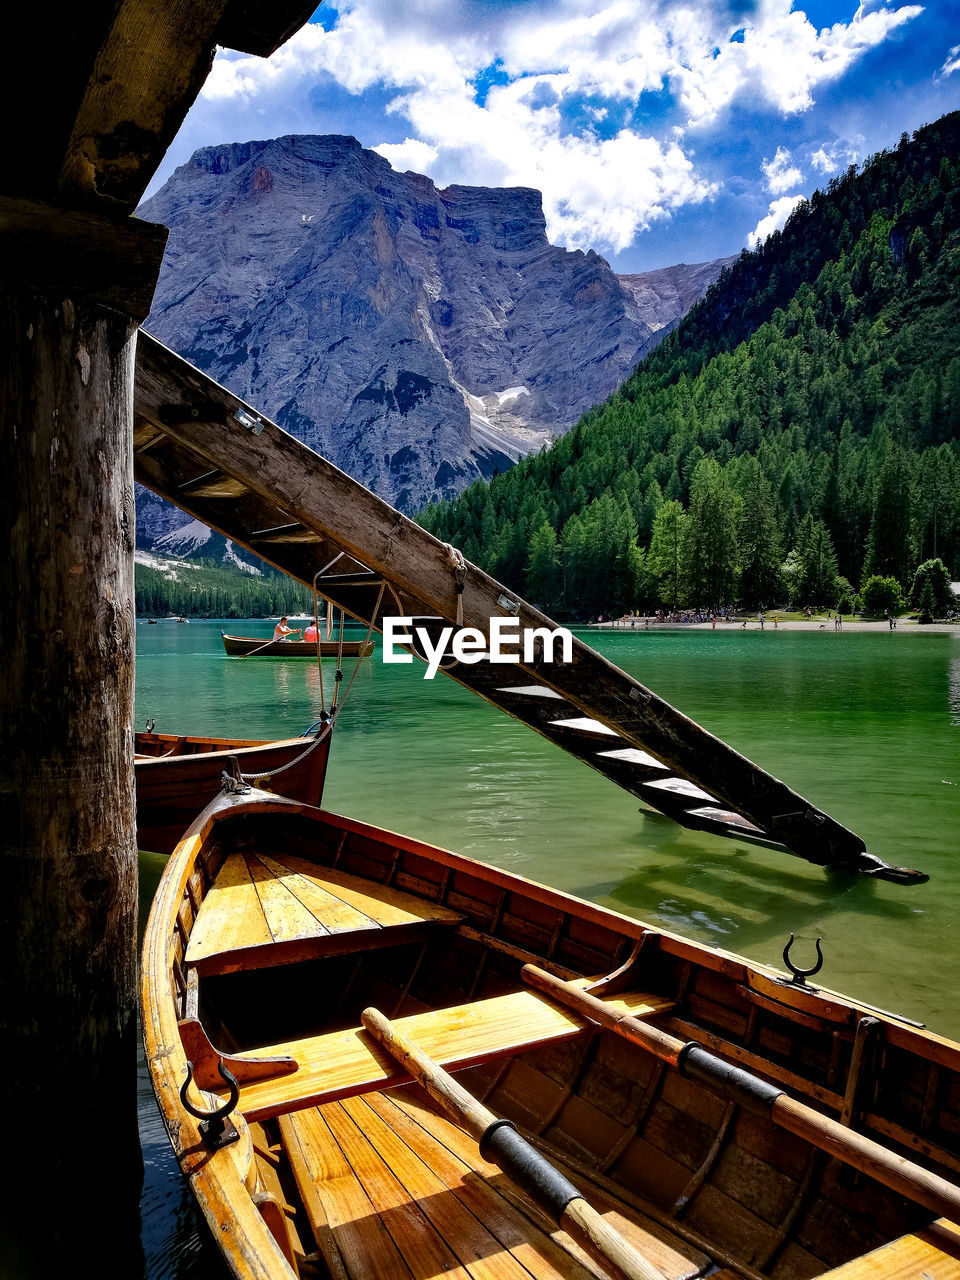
[
  {"x": 722, "y": 1120},
  {"x": 257, "y": 646},
  {"x": 178, "y": 776}
]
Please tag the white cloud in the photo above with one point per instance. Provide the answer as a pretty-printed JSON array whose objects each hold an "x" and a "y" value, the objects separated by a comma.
[
  {"x": 951, "y": 64},
  {"x": 834, "y": 156},
  {"x": 782, "y": 58},
  {"x": 780, "y": 211},
  {"x": 572, "y": 68},
  {"x": 409, "y": 154},
  {"x": 780, "y": 173}
]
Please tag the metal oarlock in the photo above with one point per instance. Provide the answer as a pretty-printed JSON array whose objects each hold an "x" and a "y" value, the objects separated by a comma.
[
  {"x": 215, "y": 1129},
  {"x": 800, "y": 976}
]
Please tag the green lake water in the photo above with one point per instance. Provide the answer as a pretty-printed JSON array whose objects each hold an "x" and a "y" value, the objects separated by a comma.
[{"x": 867, "y": 726}]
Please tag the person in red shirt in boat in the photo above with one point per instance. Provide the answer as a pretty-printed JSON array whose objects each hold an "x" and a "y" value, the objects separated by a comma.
[
  {"x": 281, "y": 630},
  {"x": 311, "y": 634}
]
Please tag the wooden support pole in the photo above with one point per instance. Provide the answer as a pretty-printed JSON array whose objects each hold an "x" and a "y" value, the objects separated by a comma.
[{"x": 68, "y": 859}]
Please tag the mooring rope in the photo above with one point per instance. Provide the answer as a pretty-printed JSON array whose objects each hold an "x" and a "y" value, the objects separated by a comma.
[{"x": 459, "y": 577}]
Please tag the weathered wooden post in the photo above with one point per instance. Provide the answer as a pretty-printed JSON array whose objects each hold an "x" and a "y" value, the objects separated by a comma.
[
  {"x": 68, "y": 865},
  {"x": 111, "y": 81}
]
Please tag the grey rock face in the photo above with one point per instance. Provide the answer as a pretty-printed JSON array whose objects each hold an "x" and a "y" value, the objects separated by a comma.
[
  {"x": 665, "y": 296},
  {"x": 419, "y": 338}
]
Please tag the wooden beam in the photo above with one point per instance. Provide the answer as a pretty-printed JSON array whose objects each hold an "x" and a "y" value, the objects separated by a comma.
[
  {"x": 146, "y": 75},
  {"x": 262, "y": 26},
  {"x": 312, "y": 491},
  {"x": 113, "y": 260}
]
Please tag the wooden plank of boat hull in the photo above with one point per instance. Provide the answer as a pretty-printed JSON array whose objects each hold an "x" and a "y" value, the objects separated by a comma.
[
  {"x": 673, "y": 1257},
  {"x": 468, "y": 1238},
  {"x": 286, "y": 916},
  {"x": 331, "y": 1194},
  {"x": 343, "y": 1063},
  {"x": 533, "y": 1247},
  {"x": 230, "y": 907},
  {"x": 265, "y": 911},
  {"x": 932, "y": 1254},
  {"x": 337, "y": 914},
  {"x": 427, "y": 1253},
  {"x": 383, "y": 904}
]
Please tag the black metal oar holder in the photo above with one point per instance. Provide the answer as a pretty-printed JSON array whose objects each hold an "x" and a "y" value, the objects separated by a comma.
[
  {"x": 215, "y": 1128},
  {"x": 800, "y": 976}
]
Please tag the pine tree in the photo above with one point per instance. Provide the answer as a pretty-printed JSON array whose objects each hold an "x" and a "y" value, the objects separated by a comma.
[
  {"x": 820, "y": 583},
  {"x": 710, "y": 545},
  {"x": 760, "y": 551},
  {"x": 665, "y": 557},
  {"x": 890, "y": 542},
  {"x": 542, "y": 578}
]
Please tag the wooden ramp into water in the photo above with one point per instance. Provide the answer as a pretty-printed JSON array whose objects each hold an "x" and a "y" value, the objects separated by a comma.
[{"x": 227, "y": 465}]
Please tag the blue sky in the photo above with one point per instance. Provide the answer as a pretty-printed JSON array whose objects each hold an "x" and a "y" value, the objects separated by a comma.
[{"x": 659, "y": 131}]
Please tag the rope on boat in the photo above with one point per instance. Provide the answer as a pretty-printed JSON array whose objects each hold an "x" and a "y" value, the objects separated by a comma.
[
  {"x": 366, "y": 639},
  {"x": 258, "y": 779},
  {"x": 456, "y": 558},
  {"x": 459, "y": 577},
  {"x": 337, "y": 700}
]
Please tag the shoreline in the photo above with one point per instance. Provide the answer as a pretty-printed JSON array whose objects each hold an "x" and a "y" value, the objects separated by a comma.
[{"x": 799, "y": 624}]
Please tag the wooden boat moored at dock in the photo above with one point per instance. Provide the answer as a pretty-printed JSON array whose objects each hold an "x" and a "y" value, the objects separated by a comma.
[
  {"x": 254, "y": 646},
  {"x": 178, "y": 776},
  {"x": 724, "y": 1120}
]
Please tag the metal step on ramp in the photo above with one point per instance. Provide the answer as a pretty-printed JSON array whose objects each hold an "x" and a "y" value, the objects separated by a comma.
[{"x": 229, "y": 466}]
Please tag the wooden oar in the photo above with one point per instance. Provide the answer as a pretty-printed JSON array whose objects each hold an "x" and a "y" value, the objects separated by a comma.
[
  {"x": 522, "y": 1163},
  {"x": 752, "y": 1093}
]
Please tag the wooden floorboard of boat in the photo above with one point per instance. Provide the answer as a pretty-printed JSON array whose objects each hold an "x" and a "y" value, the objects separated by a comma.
[
  {"x": 385, "y": 905},
  {"x": 933, "y": 1254},
  {"x": 258, "y": 902},
  {"x": 340, "y": 1064},
  {"x": 401, "y": 1169}
]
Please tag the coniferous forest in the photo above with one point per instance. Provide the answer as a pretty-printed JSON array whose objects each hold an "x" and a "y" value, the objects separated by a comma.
[
  {"x": 209, "y": 589},
  {"x": 796, "y": 440}
]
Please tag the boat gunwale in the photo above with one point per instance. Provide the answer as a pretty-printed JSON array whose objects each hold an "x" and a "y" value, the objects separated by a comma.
[
  {"x": 273, "y": 648},
  {"x": 249, "y": 746},
  {"x": 229, "y": 1210}
]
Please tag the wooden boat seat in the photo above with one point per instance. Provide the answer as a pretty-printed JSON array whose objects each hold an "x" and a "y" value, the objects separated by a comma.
[
  {"x": 264, "y": 910},
  {"x": 341, "y": 1064},
  {"x": 394, "y": 1189},
  {"x": 933, "y": 1254}
]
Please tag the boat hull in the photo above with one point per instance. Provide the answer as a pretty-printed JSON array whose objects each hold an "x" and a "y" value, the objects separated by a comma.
[
  {"x": 251, "y": 646},
  {"x": 328, "y": 915},
  {"x": 177, "y": 777}
]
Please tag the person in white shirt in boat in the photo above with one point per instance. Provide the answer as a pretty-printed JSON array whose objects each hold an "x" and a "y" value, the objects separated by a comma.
[{"x": 281, "y": 630}]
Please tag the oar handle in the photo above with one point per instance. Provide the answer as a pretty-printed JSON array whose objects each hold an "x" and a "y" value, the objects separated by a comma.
[
  {"x": 440, "y": 1085},
  {"x": 523, "y": 1164},
  {"x": 741, "y": 1086}
]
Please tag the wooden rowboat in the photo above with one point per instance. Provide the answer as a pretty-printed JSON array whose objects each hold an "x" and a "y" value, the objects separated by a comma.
[
  {"x": 253, "y": 646},
  {"x": 178, "y": 776},
  {"x": 722, "y": 1120}
]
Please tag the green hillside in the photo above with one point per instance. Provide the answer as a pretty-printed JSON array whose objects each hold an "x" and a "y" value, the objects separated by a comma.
[
  {"x": 210, "y": 589},
  {"x": 799, "y": 428}
]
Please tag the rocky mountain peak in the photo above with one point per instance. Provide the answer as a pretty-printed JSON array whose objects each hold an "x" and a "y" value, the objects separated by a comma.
[{"x": 420, "y": 337}]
